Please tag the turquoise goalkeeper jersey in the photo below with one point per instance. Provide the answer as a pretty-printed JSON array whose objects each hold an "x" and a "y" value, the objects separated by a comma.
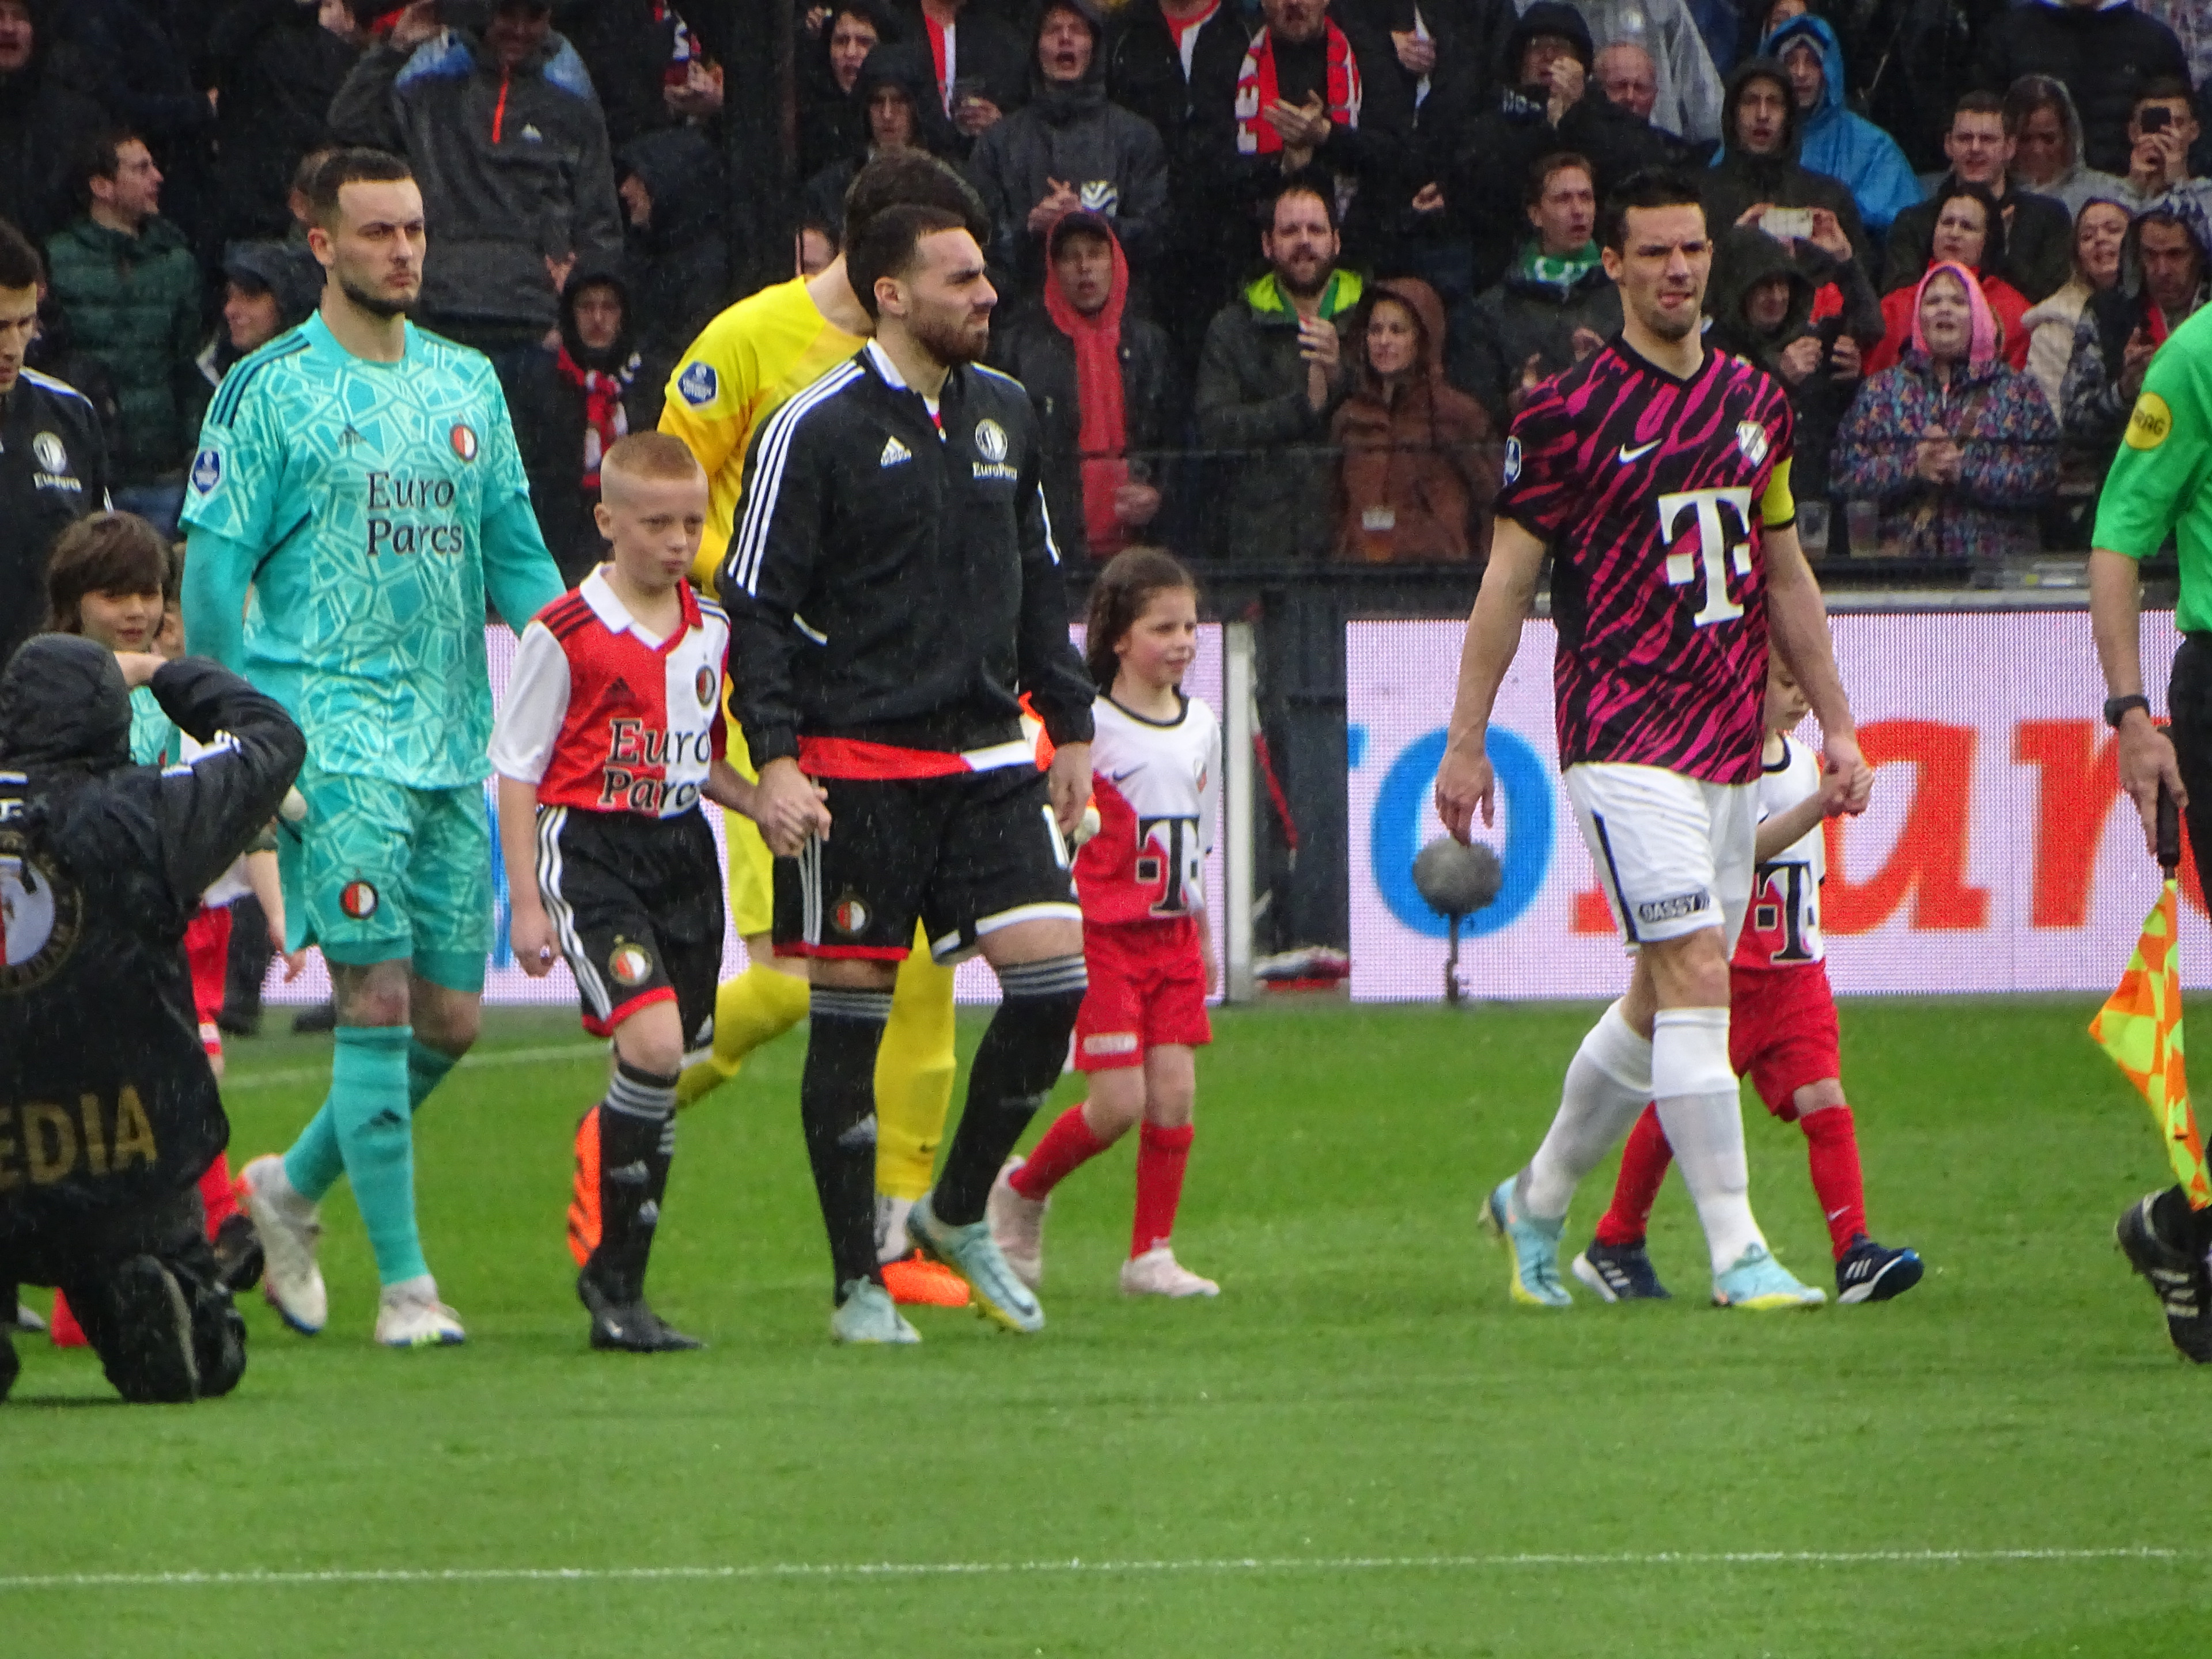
[{"x": 367, "y": 506}]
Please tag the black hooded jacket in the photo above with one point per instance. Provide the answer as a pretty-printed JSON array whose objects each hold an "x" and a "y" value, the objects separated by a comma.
[
  {"x": 106, "y": 1101},
  {"x": 1739, "y": 180},
  {"x": 832, "y": 126},
  {"x": 906, "y": 67},
  {"x": 679, "y": 259},
  {"x": 276, "y": 70}
]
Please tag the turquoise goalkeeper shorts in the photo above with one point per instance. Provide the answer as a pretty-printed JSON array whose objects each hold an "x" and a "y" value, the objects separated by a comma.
[{"x": 377, "y": 872}]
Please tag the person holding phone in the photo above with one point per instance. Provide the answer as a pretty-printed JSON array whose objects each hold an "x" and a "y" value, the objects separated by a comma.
[{"x": 2162, "y": 132}]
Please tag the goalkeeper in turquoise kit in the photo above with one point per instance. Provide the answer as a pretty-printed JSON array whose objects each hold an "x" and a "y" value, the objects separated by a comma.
[{"x": 357, "y": 492}]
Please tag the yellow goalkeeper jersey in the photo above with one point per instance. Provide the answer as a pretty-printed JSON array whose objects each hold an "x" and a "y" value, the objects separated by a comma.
[{"x": 743, "y": 366}]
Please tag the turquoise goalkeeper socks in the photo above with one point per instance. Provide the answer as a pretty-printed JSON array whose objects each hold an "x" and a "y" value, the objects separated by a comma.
[
  {"x": 315, "y": 1161},
  {"x": 426, "y": 1070},
  {"x": 369, "y": 1079}
]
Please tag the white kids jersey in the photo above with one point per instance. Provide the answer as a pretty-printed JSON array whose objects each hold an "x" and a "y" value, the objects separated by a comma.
[
  {"x": 1783, "y": 929},
  {"x": 601, "y": 718},
  {"x": 1156, "y": 786}
]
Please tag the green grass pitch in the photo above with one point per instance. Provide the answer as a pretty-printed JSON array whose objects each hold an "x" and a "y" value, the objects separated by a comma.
[{"x": 1342, "y": 1457}]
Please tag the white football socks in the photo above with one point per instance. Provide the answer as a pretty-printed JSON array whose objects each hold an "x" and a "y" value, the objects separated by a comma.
[
  {"x": 1703, "y": 1116},
  {"x": 1608, "y": 1082}
]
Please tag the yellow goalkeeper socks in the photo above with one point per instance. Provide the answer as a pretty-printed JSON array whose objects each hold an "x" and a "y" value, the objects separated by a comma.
[
  {"x": 914, "y": 1076},
  {"x": 757, "y": 1006}
]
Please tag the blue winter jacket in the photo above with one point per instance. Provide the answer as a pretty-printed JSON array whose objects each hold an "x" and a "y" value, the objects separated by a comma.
[{"x": 1833, "y": 141}]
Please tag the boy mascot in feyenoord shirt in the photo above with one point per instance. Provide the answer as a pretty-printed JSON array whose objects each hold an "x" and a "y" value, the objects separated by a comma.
[
  {"x": 1782, "y": 1036},
  {"x": 1156, "y": 773},
  {"x": 611, "y": 731},
  {"x": 1656, "y": 474}
]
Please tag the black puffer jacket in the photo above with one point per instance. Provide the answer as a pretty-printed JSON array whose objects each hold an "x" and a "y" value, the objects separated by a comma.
[
  {"x": 1493, "y": 336},
  {"x": 2106, "y": 56},
  {"x": 102, "y": 863}
]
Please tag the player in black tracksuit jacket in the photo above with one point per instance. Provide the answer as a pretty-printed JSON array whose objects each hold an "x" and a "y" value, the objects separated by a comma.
[
  {"x": 108, "y": 1111},
  {"x": 893, "y": 589}
]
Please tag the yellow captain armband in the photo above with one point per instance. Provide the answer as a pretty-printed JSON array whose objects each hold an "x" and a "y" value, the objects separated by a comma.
[{"x": 1779, "y": 507}]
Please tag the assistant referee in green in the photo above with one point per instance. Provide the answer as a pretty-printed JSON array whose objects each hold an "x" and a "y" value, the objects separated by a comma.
[{"x": 2160, "y": 486}]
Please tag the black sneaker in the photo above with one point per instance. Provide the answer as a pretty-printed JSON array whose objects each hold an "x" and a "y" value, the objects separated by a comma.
[
  {"x": 311, "y": 1022},
  {"x": 238, "y": 1253},
  {"x": 154, "y": 1360},
  {"x": 1620, "y": 1272},
  {"x": 235, "y": 1020},
  {"x": 2178, "y": 1276},
  {"x": 628, "y": 1327},
  {"x": 1868, "y": 1273}
]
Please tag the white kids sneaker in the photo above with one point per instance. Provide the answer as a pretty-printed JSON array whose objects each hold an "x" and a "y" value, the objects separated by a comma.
[
  {"x": 290, "y": 1227},
  {"x": 1017, "y": 1226},
  {"x": 1157, "y": 1273},
  {"x": 409, "y": 1315}
]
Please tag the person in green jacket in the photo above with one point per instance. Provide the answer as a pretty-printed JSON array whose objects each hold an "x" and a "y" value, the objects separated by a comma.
[{"x": 126, "y": 280}]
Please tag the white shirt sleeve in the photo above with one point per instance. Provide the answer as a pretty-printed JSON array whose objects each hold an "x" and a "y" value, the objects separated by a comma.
[
  {"x": 1209, "y": 795},
  {"x": 530, "y": 720}
]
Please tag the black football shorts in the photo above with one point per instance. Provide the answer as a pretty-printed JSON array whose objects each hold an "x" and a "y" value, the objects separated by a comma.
[{"x": 636, "y": 906}]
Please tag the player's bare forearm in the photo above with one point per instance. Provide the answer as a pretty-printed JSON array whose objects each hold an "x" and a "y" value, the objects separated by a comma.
[
  {"x": 528, "y": 931},
  {"x": 789, "y": 808},
  {"x": 1786, "y": 829},
  {"x": 1797, "y": 617},
  {"x": 1493, "y": 635},
  {"x": 728, "y": 789},
  {"x": 2115, "y": 620}
]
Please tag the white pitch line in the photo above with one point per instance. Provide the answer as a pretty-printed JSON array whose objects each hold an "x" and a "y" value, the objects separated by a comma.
[
  {"x": 468, "y": 1063},
  {"x": 1231, "y": 1565}
]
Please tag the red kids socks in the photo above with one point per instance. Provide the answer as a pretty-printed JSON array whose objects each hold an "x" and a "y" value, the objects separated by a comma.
[
  {"x": 1831, "y": 1146},
  {"x": 1162, "y": 1156},
  {"x": 1643, "y": 1161},
  {"x": 1066, "y": 1146}
]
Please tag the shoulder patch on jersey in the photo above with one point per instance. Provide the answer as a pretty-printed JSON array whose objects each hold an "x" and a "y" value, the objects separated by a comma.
[
  {"x": 207, "y": 472},
  {"x": 1512, "y": 459},
  {"x": 698, "y": 384},
  {"x": 2151, "y": 423},
  {"x": 1751, "y": 437}
]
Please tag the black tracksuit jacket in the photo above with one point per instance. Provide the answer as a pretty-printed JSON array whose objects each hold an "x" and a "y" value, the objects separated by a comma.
[{"x": 887, "y": 585}]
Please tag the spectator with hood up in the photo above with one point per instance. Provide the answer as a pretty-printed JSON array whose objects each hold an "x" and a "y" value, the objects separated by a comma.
[
  {"x": 1969, "y": 233},
  {"x": 2047, "y": 146},
  {"x": 2107, "y": 51},
  {"x": 577, "y": 401},
  {"x": 1833, "y": 140},
  {"x": 1957, "y": 450},
  {"x": 1758, "y": 167},
  {"x": 833, "y": 112},
  {"x": 900, "y": 104},
  {"x": 674, "y": 194},
  {"x": 1104, "y": 383},
  {"x": 1068, "y": 147},
  {"x": 1689, "y": 102},
  {"x": 267, "y": 287},
  {"x": 506, "y": 139},
  {"x": 45, "y": 124},
  {"x": 2165, "y": 261},
  {"x": 1982, "y": 143},
  {"x": 1419, "y": 467}
]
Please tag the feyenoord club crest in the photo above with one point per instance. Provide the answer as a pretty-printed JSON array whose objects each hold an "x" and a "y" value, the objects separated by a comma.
[
  {"x": 990, "y": 440},
  {"x": 1751, "y": 437},
  {"x": 630, "y": 964},
  {"x": 38, "y": 919},
  {"x": 703, "y": 683},
  {"x": 464, "y": 442},
  {"x": 849, "y": 916},
  {"x": 358, "y": 900}
]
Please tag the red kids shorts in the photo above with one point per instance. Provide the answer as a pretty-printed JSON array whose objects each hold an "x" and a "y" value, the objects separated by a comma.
[
  {"x": 1781, "y": 1031},
  {"x": 207, "y": 952},
  {"x": 1147, "y": 987}
]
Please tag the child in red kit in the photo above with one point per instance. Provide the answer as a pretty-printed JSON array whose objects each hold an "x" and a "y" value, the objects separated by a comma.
[
  {"x": 1782, "y": 1035},
  {"x": 1155, "y": 765}
]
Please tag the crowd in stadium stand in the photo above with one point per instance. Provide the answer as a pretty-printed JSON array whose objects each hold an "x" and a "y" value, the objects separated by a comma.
[{"x": 1956, "y": 229}]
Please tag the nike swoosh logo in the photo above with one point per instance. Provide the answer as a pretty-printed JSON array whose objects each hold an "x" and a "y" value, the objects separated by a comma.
[
  {"x": 1123, "y": 777},
  {"x": 1833, "y": 1213},
  {"x": 1628, "y": 454}
]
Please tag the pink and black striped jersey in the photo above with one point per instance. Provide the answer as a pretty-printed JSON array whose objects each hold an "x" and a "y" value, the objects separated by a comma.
[{"x": 1654, "y": 494}]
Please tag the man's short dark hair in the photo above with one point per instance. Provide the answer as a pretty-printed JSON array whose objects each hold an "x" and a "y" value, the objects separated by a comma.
[
  {"x": 351, "y": 166},
  {"x": 1308, "y": 181},
  {"x": 2164, "y": 89},
  {"x": 100, "y": 157},
  {"x": 1985, "y": 103},
  {"x": 1560, "y": 160},
  {"x": 910, "y": 178},
  {"x": 1647, "y": 187},
  {"x": 890, "y": 244},
  {"x": 19, "y": 261},
  {"x": 1993, "y": 235}
]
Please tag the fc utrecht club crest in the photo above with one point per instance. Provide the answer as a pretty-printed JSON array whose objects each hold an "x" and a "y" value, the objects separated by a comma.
[
  {"x": 849, "y": 916},
  {"x": 990, "y": 440},
  {"x": 464, "y": 442},
  {"x": 1751, "y": 437},
  {"x": 630, "y": 964},
  {"x": 358, "y": 900},
  {"x": 703, "y": 683}
]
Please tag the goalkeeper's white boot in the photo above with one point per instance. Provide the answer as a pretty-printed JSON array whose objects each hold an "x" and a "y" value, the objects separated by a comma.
[
  {"x": 290, "y": 1227},
  {"x": 409, "y": 1315}
]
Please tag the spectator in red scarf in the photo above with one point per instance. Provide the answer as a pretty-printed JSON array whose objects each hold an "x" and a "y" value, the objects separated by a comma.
[
  {"x": 1969, "y": 232},
  {"x": 1418, "y": 470},
  {"x": 1104, "y": 385},
  {"x": 574, "y": 402}
]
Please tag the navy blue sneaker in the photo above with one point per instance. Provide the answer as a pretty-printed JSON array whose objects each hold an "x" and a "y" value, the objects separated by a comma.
[
  {"x": 1868, "y": 1272},
  {"x": 1620, "y": 1272}
]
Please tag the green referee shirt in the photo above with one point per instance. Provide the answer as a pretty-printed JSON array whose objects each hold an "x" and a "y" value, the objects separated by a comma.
[{"x": 2160, "y": 483}]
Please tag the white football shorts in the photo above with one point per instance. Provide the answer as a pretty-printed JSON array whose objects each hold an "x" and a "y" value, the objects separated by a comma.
[{"x": 1673, "y": 853}]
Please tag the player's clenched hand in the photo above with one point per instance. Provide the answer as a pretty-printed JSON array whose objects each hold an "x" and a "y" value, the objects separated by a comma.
[
  {"x": 1464, "y": 786},
  {"x": 788, "y": 806},
  {"x": 531, "y": 933},
  {"x": 1848, "y": 768},
  {"x": 2146, "y": 761},
  {"x": 1068, "y": 782}
]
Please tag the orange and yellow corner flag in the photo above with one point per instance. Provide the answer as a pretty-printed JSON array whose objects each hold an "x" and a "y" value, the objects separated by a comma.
[{"x": 2140, "y": 1027}]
